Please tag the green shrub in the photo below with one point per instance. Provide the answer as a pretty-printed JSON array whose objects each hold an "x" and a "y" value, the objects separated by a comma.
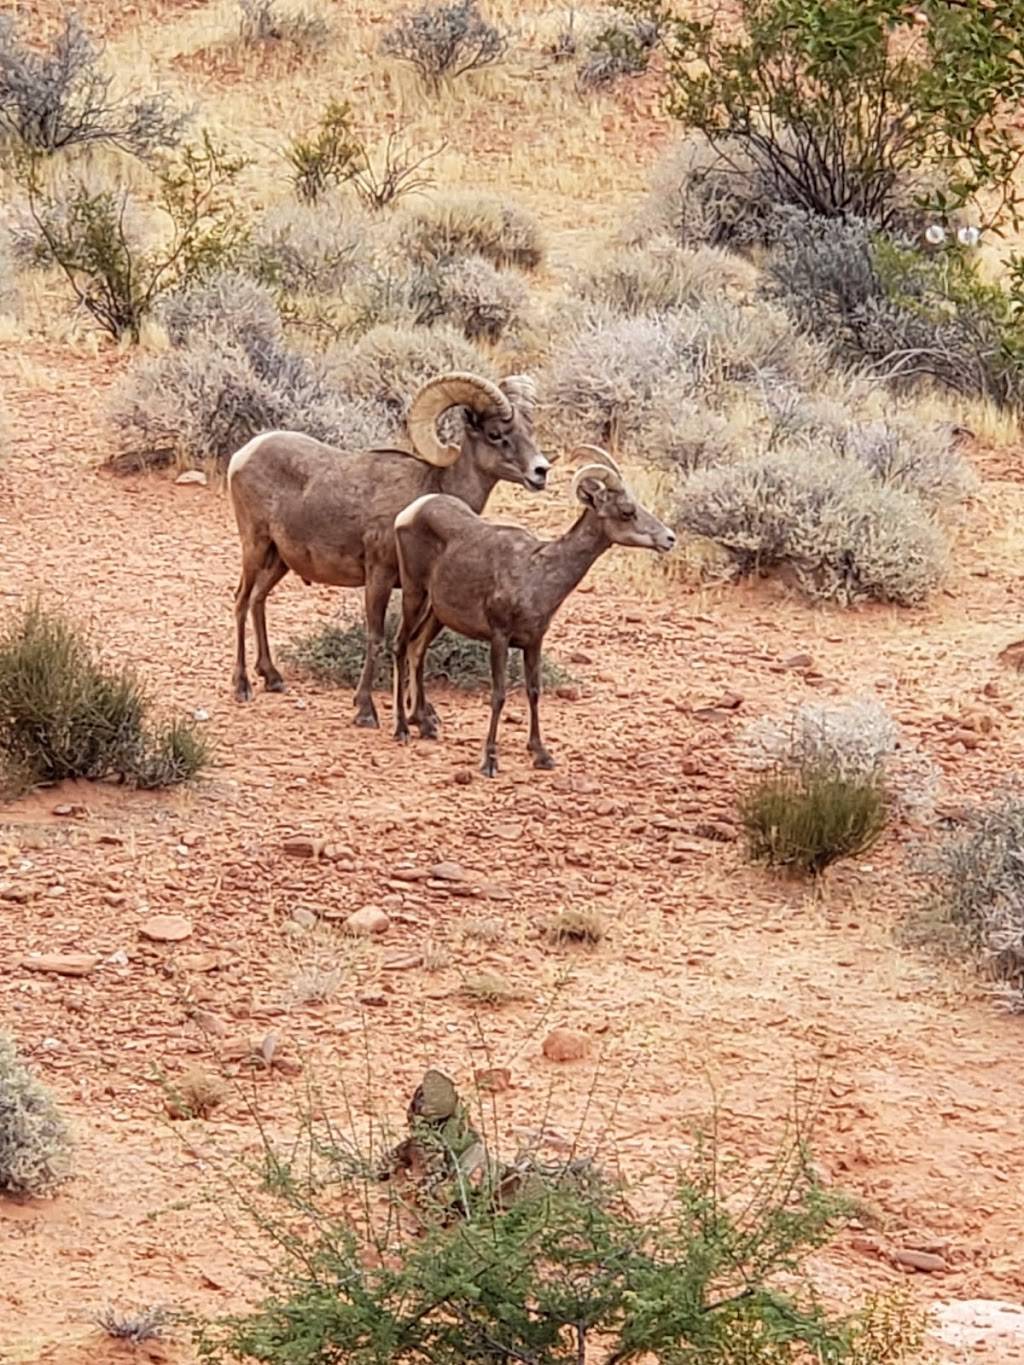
[
  {"x": 87, "y": 234},
  {"x": 540, "y": 1262},
  {"x": 852, "y": 109},
  {"x": 64, "y": 716},
  {"x": 35, "y": 1142},
  {"x": 334, "y": 655},
  {"x": 804, "y": 819},
  {"x": 978, "y": 884},
  {"x": 471, "y": 223}
]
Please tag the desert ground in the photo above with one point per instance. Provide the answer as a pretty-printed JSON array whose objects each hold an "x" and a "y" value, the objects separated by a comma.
[{"x": 717, "y": 987}]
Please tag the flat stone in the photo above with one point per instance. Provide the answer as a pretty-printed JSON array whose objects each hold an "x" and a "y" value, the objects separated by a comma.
[
  {"x": 192, "y": 476},
  {"x": 166, "y": 928},
  {"x": 61, "y": 964},
  {"x": 367, "y": 921},
  {"x": 448, "y": 872},
  {"x": 304, "y": 846}
]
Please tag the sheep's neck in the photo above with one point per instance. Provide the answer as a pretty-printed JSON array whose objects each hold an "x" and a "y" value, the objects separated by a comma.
[
  {"x": 466, "y": 480},
  {"x": 562, "y": 564}
]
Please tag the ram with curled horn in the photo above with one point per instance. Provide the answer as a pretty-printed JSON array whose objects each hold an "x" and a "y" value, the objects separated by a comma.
[
  {"x": 328, "y": 515},
  {"x": 503, "y": 585}
]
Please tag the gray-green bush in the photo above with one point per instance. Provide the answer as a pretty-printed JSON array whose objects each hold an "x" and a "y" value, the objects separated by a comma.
[
  {"x": 470, "y": 223},
  {"x": 445, "y": 40},
  {"x": 35, "y": 1140},
  {"x": 388, "y": 364}
]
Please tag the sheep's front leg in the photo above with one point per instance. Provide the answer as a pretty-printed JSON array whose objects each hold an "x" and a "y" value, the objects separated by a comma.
[
  {"x": 401, "y": 682},
  {"x": 499, "y": 677},
  {"x": 531, "y": 668},
  {"x": 379, "y": 583}
]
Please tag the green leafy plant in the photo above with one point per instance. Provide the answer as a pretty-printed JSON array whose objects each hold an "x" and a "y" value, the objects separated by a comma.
[
  {"x": 335, "y": 154},
  {"x": 87, "y": 234},
  {"x": 473, "y": 1258},
  {"x": 62, "y": 715},
  {"x": 854, "y": 108},
  {"x": 804, "y": 819},
  {"x": 335, "y": 655}
]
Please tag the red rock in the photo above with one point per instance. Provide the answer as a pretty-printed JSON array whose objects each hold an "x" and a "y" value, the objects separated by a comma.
[
  {"x": 924, "y": 1261},
  {"x": 166, "y": 928},
  {"x": 494, "y": 1079},
  {"x": 563, "y": 1045},
  {"x": 304, "y": 846},
  {"x": 61, "y": 964},
  {"x": 367, "y": 921}
]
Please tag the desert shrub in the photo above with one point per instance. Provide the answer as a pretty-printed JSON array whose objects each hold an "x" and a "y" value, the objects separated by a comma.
[
  {"x": 195, "y": 1094},
  {"x": 616, "y": 373},
  {"x": 541, "y": 1261},
  {"x": 62, "y": 98},
  {"x": 682, "y": 435},
  {"x": 303, "y": 248},
  {"x": 86, "y": 233},
  {"x": 804, "y": 819},
  {"x": 854, "y": 110},
  {"x": 444, "y": 41},
  {"x": 261, "y": 21},
  {"x": 9, "y": 295},
  {"x": 904, "y": 313},
  {"x": 853, "y": 740},
  {"x": 471, "y": 223},
  {"x": 35, "y": 1142},
  {"x": 336, "y": 154},
  {"x": 622, "y": 47},
  {"x": 135, "y": 1325},
  {"x": 654, "y": 278},
  {"x": 227, "y": 304},
  {"x": 389, "y": 364},
  {"x": 62, "y": 715},
  {"x": 910, "y": 456},
  {"x": 205, "y": 400},
  {"x": 472, "y": 295},
  {"x": 335, "y": 655},
  {"x": 978, "y": 884},
  {"x": 842, "y": 536}
]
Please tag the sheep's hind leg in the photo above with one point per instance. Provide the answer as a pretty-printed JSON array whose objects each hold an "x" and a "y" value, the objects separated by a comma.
[
  {"x": 378, "y": 594},
  {"x": 531, "y": 667},
  {"x": 240, "y": 678},
  {"x": 499, "y": 676},
  {"x": 273, "y": 570},
  {"x": 424, "y": 715}
]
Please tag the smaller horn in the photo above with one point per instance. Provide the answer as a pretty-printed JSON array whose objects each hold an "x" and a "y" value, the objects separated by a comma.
[
  {"x": 609, "y": 477},
  {"x": 601, "y": 457}
]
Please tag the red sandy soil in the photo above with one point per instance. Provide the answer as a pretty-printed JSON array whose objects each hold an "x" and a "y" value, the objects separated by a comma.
[{"x": 717, "y": 981}]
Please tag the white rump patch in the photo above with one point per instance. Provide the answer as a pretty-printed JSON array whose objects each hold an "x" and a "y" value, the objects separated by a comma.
[
  {"x": 409, "y": 514},
  {"x": 242, "y": 457}
]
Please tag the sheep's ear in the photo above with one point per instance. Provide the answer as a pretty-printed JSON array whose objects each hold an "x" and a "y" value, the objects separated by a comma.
[{"x": 590, "y": 492}]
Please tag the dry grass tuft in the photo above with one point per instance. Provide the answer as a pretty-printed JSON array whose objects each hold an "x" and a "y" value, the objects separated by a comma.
[
  {"x": 575, "y": 926},
  {"x": 488, "y": 988},
  {"x": 196, "y": 1094}
]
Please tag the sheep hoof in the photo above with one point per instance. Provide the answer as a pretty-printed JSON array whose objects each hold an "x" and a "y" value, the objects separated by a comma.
[
  {"x": 274, "y": 684},
  {"x": 544, "y": 760},
  {"x": 429, "y": 728},
  {"x": 402, "y": 736},
  {"x": 243, "y": 691},
  {"x": 366, "y": 720},
  {"x": 489, "y": 767}
]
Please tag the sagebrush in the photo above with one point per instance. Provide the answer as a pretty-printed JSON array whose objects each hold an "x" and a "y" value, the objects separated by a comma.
[
  {"x": 35, "y": 1140},
  {"x": 471, "y": 223},
  {"x": 443, "y": 41},
  {"x": 263, "y": 21},
  {"x": 335, "y": 654},
  {"x": 63, "y": 715}
]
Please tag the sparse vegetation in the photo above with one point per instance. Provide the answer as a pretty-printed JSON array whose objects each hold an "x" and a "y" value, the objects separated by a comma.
[
  {"x": 389, "y": 364},
  {"x": 841, "y": 535},
  {"x": 443, "y": 41},
  {"x": 262, "y": 21},
  {"x": 487, "y": 988},
  {"x": 62, "y": 98},
  {"x": 115, "y": 277},
  {"x": 335, "y": 655},
  {"x": 622, "y": 47},
  {"x": 304, "y": 248},
  {"x": 575, "y": 926},
  {"x": 62, "y": 715},
  {"x": 655, "y": 278},
  {"x": 135, "y": 1325},
  {"x": 470, "y": 223},
  {"x": 35, "y": 1141},
  {"x": 195, "y": 1094},
  {"x": 805, "y": 818},
  {"x": 977, "y": 881},
  {"x": 334, "y": 154},
  {"x": 469, "y": 293}
]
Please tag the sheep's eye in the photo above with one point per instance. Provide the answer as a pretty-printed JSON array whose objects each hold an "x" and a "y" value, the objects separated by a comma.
[
  {"x": 498, "y": 438},
  {"x": 627, "y": 511}
]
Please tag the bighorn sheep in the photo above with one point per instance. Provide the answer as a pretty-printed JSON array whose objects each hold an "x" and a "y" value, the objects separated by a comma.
[
  {"x": 502, "y": 584},
  {"x": 329, "y": 516}
]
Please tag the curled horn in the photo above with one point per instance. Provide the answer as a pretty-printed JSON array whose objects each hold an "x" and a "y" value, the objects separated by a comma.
[
  {"x": 603, "y": 458},
  {"x": 521, "y": 389},
  {"x": 437, "y": 397},
  {"x": 609, "y": 477}
]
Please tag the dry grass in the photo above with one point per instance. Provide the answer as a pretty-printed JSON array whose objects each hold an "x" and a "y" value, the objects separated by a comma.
[
  {"x": 575, "y": 926},
  {"x": 488, "y": 988},
  {"x": 195, "y": 1094}
]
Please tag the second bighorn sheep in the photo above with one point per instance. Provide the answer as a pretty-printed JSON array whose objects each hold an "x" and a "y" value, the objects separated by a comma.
[
  {"x": 504, "y": 585},
  {"x": 329, "y": 515}
]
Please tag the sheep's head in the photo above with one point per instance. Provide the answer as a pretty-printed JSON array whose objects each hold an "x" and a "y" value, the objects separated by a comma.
[
  {"x": 499, "y": 426},
  {"x": 601, "y": 487}
]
